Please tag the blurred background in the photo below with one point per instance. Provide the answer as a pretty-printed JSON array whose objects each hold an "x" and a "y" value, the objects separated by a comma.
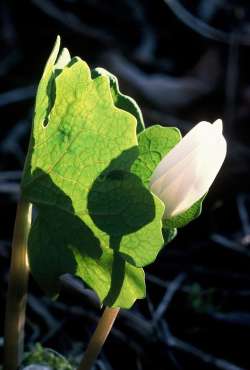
[{"x": 183, "y": 62}]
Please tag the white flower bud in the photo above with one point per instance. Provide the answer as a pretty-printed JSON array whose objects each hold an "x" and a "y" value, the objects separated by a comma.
[{"x": 186, "y": 173}]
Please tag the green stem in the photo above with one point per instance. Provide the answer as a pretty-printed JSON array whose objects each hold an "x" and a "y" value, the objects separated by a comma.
[
  {"x": 98, "y": 338},
  {"x": 17, "y": 289}
]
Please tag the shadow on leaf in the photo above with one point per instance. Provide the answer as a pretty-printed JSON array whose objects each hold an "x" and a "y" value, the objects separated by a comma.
[
  {"x": 54, "y": 232},
  {"x": 119, "y": 204}
]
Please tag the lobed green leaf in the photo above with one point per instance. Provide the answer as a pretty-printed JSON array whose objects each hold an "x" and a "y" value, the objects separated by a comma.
[{"x": 95, "y": 219}]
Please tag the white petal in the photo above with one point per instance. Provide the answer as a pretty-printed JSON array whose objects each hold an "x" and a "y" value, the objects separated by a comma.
[
  {"x": 171, "y": 173},
  {"x": 218, "y": 126},
  {"x": 193, "y": 138},
  {"x": 202, "y": 179},
  {"x": 186, "y": 180}
]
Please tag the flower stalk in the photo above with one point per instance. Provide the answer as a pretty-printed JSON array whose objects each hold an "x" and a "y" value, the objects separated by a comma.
[
  {"x": 98, "y": 338},
  {"x": 17, "y": 289}
]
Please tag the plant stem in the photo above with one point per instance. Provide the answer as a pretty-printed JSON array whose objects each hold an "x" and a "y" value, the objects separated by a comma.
[
  {"x": 98, "y": 338},
  {"x": 17, "y": 289}
]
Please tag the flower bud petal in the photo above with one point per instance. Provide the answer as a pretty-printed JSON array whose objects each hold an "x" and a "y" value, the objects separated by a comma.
[{"x": 186, "y": 173}]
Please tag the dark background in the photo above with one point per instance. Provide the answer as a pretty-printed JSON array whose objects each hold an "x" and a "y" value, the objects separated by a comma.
[{"x": 184, "y": 62}]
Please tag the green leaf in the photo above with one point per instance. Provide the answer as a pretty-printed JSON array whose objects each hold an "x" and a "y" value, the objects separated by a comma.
[
  {"x": 121, "y": 288},
  {"x": 95, "y": 218},
  {"x": 120, "y": 100},
  {"x": 154, "y": 143},
  {"x": 45, "y": 93},
  {"x": 169, "y": 233},
  {"x": 185, "y": 217},
  {"x": 53, "y": 252},
  {"x": 133, "y": 225}
]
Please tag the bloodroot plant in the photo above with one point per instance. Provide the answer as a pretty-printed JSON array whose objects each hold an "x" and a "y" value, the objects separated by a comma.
[{"x": 108, "y": 192}]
